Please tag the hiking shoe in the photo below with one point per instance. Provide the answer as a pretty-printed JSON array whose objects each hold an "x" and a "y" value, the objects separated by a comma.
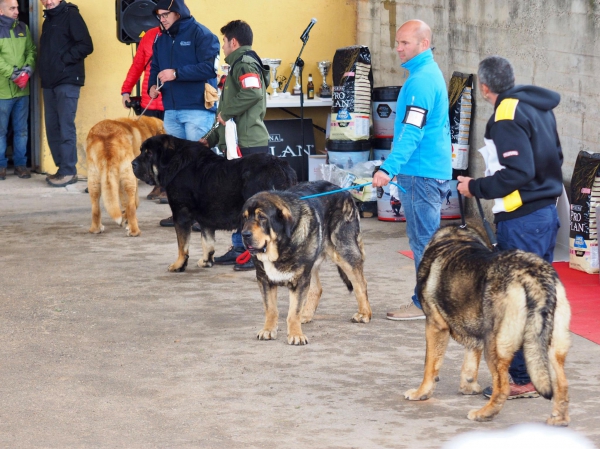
[
  {"x": 2, "y": 173},
  {"x": 229, "y": 257},
  {"x": 167, "y": 222},
  {"x": 407, "y": 312},
  {"x": 22, "y": 172},
  {"x": 244, "y": 266},
  {"x": 62, "y": 180},
  {"x": 154, "y": 194},
  {"x": 516, "y": 391},
  {"x": 51, "y": 176}
]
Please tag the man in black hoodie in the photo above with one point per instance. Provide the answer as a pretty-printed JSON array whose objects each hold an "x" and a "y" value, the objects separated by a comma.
[
  {"x": 523, "y": 159},
  {"x": 64, "y": 44}
]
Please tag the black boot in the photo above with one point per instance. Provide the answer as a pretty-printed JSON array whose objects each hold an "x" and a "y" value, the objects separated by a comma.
[
  {"x": 244, "y": 266},
  {"x": 229, "y": 257}
]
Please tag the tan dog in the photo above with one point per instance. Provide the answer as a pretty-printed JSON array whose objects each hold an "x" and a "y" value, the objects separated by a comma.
[{"x": 111, "y": 146}]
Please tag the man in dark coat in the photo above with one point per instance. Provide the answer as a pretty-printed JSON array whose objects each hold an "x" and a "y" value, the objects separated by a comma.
[{"x": 64, "y": 44}]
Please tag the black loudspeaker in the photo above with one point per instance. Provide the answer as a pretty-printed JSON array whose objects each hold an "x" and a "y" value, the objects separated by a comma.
[{"x": 134, "y": 17}]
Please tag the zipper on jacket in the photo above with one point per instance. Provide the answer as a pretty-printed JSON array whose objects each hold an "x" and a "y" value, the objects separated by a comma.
[{"x": 171, "y": 63}]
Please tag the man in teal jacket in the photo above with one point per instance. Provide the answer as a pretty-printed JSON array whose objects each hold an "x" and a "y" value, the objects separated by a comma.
[
  {"x": 421, "y": 157},
  {"x": 17, "y": 61}
]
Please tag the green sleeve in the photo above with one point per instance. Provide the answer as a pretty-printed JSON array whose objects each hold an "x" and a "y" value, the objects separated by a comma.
[{"x": 244, "y": 99}]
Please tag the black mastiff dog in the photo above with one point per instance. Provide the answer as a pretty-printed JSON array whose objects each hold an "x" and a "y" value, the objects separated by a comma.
[
  {"x": 205, "y": 187},
  {"x": 289, "y": 237}
]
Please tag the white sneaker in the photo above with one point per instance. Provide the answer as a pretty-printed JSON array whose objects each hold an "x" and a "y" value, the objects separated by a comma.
[{"x": 407, "y": 312}]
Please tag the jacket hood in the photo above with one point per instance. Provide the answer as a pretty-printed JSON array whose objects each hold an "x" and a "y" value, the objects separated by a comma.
[
  {"x": 177, "y": 6},
  {"x": 60, "y": 8},
  {"x": 538, "y": 97},
  {"x": 6, "y": 21}
]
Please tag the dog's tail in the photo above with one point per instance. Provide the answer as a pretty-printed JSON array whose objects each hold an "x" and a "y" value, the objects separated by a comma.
[
  {"x": 109, "y": 184},
  {"x": 542, "y": 297},
  {"x": 345, "y": 280}
]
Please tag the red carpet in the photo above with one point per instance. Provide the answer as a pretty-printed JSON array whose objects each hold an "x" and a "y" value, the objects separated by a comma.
[
  {"x": 583, "y": 292},
  {"x": 408, "y": 254}
]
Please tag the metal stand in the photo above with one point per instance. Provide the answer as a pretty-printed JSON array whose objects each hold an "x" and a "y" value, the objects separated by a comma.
[{"x": 300, "y": 63}]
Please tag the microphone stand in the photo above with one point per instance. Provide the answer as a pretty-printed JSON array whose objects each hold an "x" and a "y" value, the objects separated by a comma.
[{"x": 300, "y": 63}]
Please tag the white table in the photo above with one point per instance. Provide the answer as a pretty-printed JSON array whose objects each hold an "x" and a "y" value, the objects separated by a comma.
[{"x": 293, "y": 101}]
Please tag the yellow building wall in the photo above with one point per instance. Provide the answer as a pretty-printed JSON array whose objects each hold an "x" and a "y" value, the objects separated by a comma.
[{"x": 277, "y": 26}]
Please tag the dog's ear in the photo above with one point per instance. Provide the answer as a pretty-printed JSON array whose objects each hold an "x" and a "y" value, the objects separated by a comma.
[
  {"x": 171, "y": 160},
  {"x": 285, "y": 218}
]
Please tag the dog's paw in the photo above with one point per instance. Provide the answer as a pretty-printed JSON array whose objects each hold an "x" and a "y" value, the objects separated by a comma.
[
  {"x": 360, "y": 318},
  {"x": 205, "y": 263},
  {"x": 470, "y": 388},
  {"x": 477, "y": 415},
  {"x": 306, "y": 318},
  {"x": 175, "y": 268},
  {"x": 267, "y": 334},
  {"x": 297, "y": 339},
  {"x": 562, "y": 421},
  {"x": 97, "y": 230},
  {"x": 414, "y": 395},
  {"x": 130, "y": 233}
]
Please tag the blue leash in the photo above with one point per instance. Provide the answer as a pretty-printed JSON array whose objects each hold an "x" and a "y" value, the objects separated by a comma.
[{"x": 356, "y": 187}]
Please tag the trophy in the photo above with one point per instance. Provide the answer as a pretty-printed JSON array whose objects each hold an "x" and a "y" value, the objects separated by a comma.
[
  {"x": 324, "y": 90},
  {"x": 297, "y": 90},
  {"x": 273, "y": 64}
]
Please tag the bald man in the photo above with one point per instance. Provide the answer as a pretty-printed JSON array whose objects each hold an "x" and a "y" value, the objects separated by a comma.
[{"x": 421, "y": 157}]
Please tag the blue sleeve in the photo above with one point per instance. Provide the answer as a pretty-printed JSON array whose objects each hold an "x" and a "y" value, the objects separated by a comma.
[
  {"x": 207, "y": 51},
  {"x": 407, "y": 136}
]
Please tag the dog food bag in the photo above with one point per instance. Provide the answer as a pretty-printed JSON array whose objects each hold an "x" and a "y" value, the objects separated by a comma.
[
  {"x": 352, "y": 85},
  {"x": 585, "y": 196},
  {"x": 461, "y": 102}
]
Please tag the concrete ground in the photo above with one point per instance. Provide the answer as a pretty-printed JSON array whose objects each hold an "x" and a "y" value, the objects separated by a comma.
[{"x": 102, "y": 347}]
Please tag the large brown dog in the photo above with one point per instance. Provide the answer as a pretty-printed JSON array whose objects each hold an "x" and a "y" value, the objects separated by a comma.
[
  {"x": 111, "y": 146},
  {"x": 493, "y": 302},
  {"x": 289, "y": 237}
]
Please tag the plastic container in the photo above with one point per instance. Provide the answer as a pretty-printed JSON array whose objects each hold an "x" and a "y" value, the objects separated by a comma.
[
  {"x": 381, "y": 148},
  {"x": 385, "y": 100},
  {"x": 450, "y": 206},
  {"x": 347, "y": 153},
  {"x": 389, "y": 208}
]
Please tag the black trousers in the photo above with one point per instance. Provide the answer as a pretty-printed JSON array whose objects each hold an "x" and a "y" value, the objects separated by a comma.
[{"x": 60, "y": 106}]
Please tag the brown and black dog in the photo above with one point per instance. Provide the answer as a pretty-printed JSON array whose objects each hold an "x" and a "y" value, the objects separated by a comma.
[
  {"x": 289, "y": 237},
  {"x": 111, "y": 146},
  {"x": 205, "y": 187},
  {"x": 493, "y": 303}
]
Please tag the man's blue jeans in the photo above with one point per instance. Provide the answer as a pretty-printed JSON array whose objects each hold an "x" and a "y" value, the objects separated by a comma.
[
  {"x": 422, "y": 204},
  {"x": 188, "y": 124},
  {"x": 535, "y": 233},
  {"x": 18, "y": 110}
]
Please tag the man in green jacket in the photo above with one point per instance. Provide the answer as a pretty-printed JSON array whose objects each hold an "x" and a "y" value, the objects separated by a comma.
[
  {"x": 244, "y": 99},
  {"x": 17, "y": 61}
]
